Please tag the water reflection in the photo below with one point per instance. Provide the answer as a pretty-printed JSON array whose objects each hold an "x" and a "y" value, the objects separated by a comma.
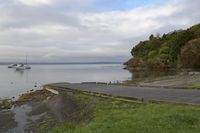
[
  {"x": 140, "y": 75},
  {"x": 21, "y": 72}
]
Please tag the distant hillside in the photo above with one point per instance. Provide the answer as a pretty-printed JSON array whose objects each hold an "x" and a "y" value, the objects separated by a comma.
[{"x": 176, "y": 49}]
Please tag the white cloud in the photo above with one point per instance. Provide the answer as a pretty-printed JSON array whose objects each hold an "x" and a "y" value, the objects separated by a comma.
[
  {"x": 128, "y": 23},
  {"x": 54, "y": 33},
  {"x": 36, "y": 2}
]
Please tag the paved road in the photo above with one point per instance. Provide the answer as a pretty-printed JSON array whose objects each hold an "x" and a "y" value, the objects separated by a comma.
[{"x": 156, "y": 94}]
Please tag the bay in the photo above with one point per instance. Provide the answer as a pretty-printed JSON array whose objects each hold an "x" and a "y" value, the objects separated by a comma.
[{"x": 13, "y": 83}]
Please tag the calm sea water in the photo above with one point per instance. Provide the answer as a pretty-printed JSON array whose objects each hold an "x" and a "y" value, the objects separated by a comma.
[{"x": 13, "y": 83}]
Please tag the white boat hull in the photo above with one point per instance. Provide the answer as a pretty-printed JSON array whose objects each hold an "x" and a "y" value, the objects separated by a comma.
[{"x": 20, "y": 68}]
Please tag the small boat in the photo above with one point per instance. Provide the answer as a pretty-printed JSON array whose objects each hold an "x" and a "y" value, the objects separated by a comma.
[
  {"x": 20, "y": 67},
  {"x": 12, "y": 65},
  {"x": 27, "y": 66}
]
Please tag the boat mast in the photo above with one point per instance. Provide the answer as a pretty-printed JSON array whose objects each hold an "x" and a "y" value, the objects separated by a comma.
[{"x": 26, "y": 59}]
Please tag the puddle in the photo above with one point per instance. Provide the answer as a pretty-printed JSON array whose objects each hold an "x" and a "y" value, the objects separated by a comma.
[{"x": 23, "y": 120}]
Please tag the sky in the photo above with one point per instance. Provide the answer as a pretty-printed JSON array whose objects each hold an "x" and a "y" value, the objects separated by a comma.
[{"x": 86, "y": 30}]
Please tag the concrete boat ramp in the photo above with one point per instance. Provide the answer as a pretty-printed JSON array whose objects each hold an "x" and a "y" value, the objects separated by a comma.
[{"x": 146, "y": 94}]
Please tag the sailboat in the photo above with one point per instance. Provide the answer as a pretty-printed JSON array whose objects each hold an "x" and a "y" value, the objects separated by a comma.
[
  {"x": 12, "y": 65},
  {"x": 22, "y": 66},
  {"x": 26, "y": 66}
]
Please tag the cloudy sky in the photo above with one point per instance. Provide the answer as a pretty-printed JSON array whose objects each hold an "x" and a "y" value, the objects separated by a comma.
[{"x": 86, "y": 30}]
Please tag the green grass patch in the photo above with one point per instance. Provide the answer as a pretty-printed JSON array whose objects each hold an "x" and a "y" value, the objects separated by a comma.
[
  {"x": 195, "y": 86},
  {"x": 6, "y": 103},
  {"x": 112, "y": 116}
]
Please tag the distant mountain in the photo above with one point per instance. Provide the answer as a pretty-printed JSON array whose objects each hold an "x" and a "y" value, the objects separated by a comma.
[{"x": 177, "y": 49}]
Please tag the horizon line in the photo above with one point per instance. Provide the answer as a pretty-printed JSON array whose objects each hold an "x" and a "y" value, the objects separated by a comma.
[{"x": 32, "y": 63}]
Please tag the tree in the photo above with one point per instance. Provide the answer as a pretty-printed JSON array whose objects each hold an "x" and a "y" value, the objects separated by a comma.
[
  {"x": 190, "y": 54},
  {"x": 172, "y": 49},
  {"x": 151, "y": 37}
]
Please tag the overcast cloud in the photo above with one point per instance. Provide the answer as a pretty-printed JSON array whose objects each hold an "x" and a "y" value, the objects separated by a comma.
[{"x": 84, "y": 30}]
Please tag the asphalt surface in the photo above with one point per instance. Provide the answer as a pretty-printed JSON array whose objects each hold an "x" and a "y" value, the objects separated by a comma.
[{"x": 184, "y": 96}]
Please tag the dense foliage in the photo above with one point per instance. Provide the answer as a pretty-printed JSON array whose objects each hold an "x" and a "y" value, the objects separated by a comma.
[
  {"x": 190, "y": 54},
  {"x": 176, "y": 49}
]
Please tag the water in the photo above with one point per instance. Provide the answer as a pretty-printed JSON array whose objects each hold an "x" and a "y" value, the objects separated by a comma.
[
  {"x": 23, "y": 119},
  {"x": 13, "y": 83}
]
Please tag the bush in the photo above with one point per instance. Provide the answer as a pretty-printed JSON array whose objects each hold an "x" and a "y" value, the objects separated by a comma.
[{"x": 190, "y": 54}]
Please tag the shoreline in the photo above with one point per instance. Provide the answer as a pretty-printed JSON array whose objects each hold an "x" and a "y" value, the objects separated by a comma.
[
  {"x": 37, "y": 108},
  {"x": 72, "y": 110},
  {"x": 175, "y": 78}
]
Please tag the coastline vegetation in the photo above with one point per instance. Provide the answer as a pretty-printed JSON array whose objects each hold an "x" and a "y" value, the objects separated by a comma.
[
  {"x": 5, "y": 103},
  {"x": 195, "y": 85},
  {"x": 177, "y": 49}
]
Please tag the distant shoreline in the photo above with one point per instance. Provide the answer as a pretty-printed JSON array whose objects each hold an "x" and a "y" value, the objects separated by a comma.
[{"x": 67, "y": 63}]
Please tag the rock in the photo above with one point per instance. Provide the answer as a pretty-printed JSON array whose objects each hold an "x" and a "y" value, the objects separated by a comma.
[{"x": 194, "y": 73}]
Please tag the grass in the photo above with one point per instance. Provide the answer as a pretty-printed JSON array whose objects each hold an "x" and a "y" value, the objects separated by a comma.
[
  {"x": 112, "y": 116},
  {"x": 195, "y": 85},
  {"x": 5, "y": 103},
  {"x": 32, "y": 96}
]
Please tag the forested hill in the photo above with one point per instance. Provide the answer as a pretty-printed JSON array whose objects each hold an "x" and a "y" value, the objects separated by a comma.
[{"x": 176, "y": 49}]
